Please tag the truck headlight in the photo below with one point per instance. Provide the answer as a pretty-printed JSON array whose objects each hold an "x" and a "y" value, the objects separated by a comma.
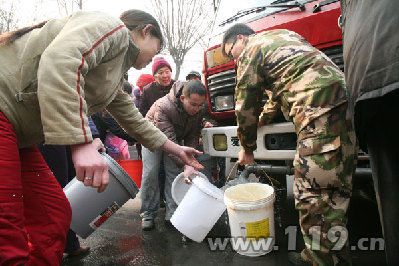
[
  {"x": 220, "y": 142},
  {"x": 224, "y": 103},
  {"x": 215, "y": 57}
]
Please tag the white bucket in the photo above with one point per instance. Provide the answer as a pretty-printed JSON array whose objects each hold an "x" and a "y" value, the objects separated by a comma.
[
  {"x": 199, "y": 210},
  {"x": 180, "y": 188},
  {"x": 251, "y": 217},
  {"x": 91, "y": 209}
]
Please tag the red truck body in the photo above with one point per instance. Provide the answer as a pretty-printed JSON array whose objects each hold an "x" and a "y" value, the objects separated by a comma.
[{"x": 318, "y": 26}]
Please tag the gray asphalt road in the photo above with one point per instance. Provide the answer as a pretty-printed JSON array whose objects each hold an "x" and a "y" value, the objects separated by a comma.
[{"x": 120, "y": 240}]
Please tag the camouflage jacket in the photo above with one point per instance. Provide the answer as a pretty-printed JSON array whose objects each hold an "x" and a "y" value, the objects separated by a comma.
[{"x": 299, "y": 80}]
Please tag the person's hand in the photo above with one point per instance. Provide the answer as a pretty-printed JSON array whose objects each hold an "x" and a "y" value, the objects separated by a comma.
[
  {"x": 208, "y": 124},
  {"x": 245, "y": 158},
  {"x": 99, "y": 145},
  {"x": 90, "y": 166},
  {"x": 186, "y": 154},
  {"x": 189, "y": 171}
]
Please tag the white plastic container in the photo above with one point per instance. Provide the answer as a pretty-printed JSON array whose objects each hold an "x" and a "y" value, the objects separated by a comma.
[
  {"x": 251, "y": 217},
  {"x": 199, "y": 210},
  {"x": 91, "y": 209},
  {"x": 180, "y": 188}
]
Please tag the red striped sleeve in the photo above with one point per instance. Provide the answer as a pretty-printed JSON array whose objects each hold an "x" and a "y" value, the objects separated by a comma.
[{"x": 79, "y": 74}]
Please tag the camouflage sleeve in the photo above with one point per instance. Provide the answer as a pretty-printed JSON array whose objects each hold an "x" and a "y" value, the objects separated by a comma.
[
  {"x": 249, "y": 94},
  {"x": 270, "y": 110}
]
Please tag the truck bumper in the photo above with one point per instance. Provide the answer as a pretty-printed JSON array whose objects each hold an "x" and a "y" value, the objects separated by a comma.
[{"x": 275, "y": 142}]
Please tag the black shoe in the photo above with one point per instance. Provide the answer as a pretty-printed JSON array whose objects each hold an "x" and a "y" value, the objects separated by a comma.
[
  {"x": 147, "y": 224},
  {"x": 296, "y": 259}
]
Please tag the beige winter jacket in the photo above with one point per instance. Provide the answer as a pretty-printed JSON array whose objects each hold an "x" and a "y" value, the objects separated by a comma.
[{"x": 53, "y": 78}]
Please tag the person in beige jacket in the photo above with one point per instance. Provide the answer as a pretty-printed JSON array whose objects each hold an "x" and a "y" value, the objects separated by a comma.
[{"x": 52, "y": 77}]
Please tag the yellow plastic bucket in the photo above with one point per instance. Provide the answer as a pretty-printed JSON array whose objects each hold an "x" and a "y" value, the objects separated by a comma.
[{"x": 250, "y": 208}]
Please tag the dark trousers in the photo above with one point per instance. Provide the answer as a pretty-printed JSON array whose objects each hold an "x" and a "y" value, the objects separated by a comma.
[
  {"x": 382, "y": 140},
  {"x": 161, "y": 181},
  {"x": 59, "y": 159}
]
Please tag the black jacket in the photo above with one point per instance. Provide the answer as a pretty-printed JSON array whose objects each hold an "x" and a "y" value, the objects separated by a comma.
[
  {"x": 371, "y": 59},
  {"x": 151, "y": 93},
  {"x": 371, "y": 47}
]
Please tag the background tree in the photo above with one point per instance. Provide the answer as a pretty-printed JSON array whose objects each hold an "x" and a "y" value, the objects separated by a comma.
[
  {"x": 184, "y": 23},
  {"x": 39, "y": 12},
  {"x": 8, "y": 19},
  {"x": 17, "y": 13},
  {"x": 66, "y": 7}
]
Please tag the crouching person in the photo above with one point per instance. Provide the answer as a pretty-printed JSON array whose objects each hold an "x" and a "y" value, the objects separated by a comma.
[{"x": 178, "y": 116}]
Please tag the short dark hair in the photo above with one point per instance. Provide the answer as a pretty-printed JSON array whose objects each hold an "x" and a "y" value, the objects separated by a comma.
[
  {"x": 193, "y": 73},
  {"x": 127, "y": 87},
  {"x": 231, "y": 34},
  {"x": 194, "y": 87}
]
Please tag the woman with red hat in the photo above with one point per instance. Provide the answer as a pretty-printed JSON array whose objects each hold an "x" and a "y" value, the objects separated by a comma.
[
  {"x": 142, "y": 81},
  {"x": 162, "y": 72}
]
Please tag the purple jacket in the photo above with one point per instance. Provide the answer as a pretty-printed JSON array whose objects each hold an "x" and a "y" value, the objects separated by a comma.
[{"x": 136, "y": 97}]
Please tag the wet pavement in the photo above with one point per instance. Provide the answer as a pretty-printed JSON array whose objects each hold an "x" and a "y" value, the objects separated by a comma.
[{"x": 120, "y": 240}]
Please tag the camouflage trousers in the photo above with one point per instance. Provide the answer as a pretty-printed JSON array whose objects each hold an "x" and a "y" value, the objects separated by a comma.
[{"x": 324, "y": 165}]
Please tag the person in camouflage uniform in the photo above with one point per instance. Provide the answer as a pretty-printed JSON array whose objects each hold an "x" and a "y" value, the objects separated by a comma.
[{"x": 309, "y": 89}]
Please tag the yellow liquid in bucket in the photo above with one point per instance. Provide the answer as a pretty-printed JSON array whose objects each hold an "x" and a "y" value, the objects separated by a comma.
[{"x": 248, "y": 192}]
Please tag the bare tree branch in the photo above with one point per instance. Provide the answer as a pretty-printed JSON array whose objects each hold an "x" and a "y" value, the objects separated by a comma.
[
  {"x": 13, "y": 16},
  {"x": 184, "y": 23},
  {"x": 66, "y": 7},
  {"x": 8, "y": 20},
  {"x": 79, "y": 3}
]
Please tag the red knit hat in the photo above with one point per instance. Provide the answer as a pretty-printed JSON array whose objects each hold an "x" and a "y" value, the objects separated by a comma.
[
  {"x": 159, "y": 62},
  {"x": 144, "y": 80}
]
